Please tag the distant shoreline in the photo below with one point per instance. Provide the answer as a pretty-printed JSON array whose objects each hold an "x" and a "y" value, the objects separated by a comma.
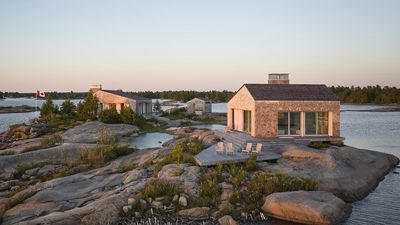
[{"x": 16, "y": 109}]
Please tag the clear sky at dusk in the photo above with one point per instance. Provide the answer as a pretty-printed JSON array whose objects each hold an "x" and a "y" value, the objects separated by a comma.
[{"x": 201, "y": 45}]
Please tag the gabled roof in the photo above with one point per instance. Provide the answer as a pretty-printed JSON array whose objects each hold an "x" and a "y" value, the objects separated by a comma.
[
  {"x": 291, "y": 92},
  {"x": 126, "y": 95},
  {"x": 201, "y": 99}
]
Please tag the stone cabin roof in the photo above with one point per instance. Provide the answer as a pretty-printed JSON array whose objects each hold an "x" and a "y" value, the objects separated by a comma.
[
  {"x": 127, "y": 95},
  {"x": 200, "y": 99},
  {"x": 291, "y": 92}
]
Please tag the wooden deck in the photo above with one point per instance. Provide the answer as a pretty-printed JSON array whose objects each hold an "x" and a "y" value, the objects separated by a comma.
[
  {"x": 210, "y": 157},
  {"x": 270, "y": 150}
]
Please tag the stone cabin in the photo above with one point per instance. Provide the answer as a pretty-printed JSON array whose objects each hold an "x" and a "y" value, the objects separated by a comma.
[
  {"x": 281, "y": 109},
  {"x": 120, "y": 99},
  {"x": 199, "y": 106}
]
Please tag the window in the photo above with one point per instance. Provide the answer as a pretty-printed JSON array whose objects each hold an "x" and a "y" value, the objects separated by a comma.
[
  {"x": 283, "y": 124},
  {"x": 316, "y": 123},
  {"x": 247, "y": 121},
  {"x": 310, "y": 123},
  {"x": 289, "y": 123}
]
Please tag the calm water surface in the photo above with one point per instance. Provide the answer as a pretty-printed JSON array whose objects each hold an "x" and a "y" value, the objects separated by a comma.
[{"x": 378, "y": 131}]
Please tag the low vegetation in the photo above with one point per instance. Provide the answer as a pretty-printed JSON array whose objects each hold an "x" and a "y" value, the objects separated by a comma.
[
  {"x": 155, "y": 189},
  {"x": 182, "y": 153},
  {"x": 319, "y": 145}
]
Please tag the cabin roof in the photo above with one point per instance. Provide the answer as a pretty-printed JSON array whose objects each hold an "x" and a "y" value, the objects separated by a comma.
[
  {"x": 127, "y": 95},
  {"x": 291, "y": 92}
]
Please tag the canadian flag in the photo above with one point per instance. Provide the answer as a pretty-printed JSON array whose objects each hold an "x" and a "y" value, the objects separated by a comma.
[{"x": 40, "y": 94}]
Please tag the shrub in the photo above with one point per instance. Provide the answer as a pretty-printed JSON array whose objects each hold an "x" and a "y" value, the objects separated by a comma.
[
  {"x": 251, "y": 164},
  {"x": 110, "y": 116},
  {"x": 263, "y": 184},
  {"x": 87, "y": 109},
  {"x": 51, "y": 141},
  {"x": 177, "y": 156},
  {"x": 106, "y": 150},
  {"x": 127, "y": 115},
  {"x": 48, "y": 110},
  {"x": 126, "y": 168},
  {"x": 160, "y": 188},
  {"x": 68, "y": 110},
  {"x": 209, "y": 191},
  {"x": 238, "y": 177},
  {"x": 318, "y": 145}
]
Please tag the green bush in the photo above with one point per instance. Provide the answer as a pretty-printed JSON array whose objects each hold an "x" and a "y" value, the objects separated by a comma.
[
  {"x": 251, "y": 164},
  {"x": 51, "y": 141},
  {"x": 48, "y": 110},
  {"x": 110, "y": 116},
  {"x": 177, "y": 156},
  {"x": 68, "y": 110},
  {"x": 106, "y": 150},
  {"x": 160, "y": 188},
  {"x": 87, "y": 109},
  {"x": 238, "y": 177},
  {"x": 209, "y": 191},
  {"x": 263, "y": 184},
  {"x": 318, "y": 145}
]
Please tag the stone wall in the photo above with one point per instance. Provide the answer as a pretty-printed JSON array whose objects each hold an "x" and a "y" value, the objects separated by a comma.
[
  {"x": 266, "y": 114},
  {"x": 241, "y": 101}
]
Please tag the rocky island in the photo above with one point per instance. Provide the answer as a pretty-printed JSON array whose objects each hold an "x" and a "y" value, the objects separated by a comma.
[
  {"x": 17, "y": 109},
  {"x": 59, "y": 185}
]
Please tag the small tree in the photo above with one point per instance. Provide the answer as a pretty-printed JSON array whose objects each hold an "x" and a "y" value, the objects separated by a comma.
[
  {"x": 157, "y": 106},
  {"x": 110, "y": 116},
  {"x": 48, "y": 110},
  {"x": 68, "y": 109},
  {"x": 127, "y": 115},
  {"x": 87, "y": 110}
]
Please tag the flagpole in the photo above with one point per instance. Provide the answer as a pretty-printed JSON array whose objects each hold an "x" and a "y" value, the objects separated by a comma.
[{"x": 36, "y": 103}]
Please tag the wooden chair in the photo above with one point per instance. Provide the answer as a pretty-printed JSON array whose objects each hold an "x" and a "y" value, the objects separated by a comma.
[
  {"x": 248, "y": 148},
  {"x": 258, "y": 148},
  {"x": 220, "y": 148},
  {"x": 229, "y": 149}
]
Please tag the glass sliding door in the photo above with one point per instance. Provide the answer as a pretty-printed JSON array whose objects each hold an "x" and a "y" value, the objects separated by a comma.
[
  {"x": 283, "y": 123},
  {"x": 295, "y": 125},
  {"x": 310, "y": 123},
  {"x": 323, "y": 123},
  {"x": 247, "y": 121},
  {"x": 316, "y": 123}
]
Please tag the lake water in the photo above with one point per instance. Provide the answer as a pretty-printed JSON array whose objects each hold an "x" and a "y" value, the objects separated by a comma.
[
  {"x": 149, "y": 140},
  {"x": 378, "y": 131}
]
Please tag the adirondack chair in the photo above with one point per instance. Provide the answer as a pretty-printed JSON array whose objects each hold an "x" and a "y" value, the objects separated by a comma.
[
  {"x": 229, "y": 149},
  {"x": 258, "y": 149},
  {"x": 220, "y": 148},
  {"x": 248, "y": 148}
]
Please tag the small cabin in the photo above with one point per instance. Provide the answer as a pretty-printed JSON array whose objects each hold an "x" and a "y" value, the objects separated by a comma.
[
  {"x": 199, "y": 106},
  {"x": 120, "y": 99},
  {"x": 278, "y": 108}
]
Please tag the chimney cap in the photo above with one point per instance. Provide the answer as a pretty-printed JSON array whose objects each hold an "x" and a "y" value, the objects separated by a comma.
[{"x": 278, "y": 78}]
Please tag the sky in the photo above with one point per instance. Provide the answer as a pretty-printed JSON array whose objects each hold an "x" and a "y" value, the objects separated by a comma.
[{"x": 196, "y": 45}]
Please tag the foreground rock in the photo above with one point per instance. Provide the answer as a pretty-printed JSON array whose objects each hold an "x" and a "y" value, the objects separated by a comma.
[
  {"x": 227, "y": 220},
  {"x": 347, "y": 172},
  {"x": 200, "y": 213},
  {"x": 185, "y": 176},
  {"x": 88, "y": 132},
  {"x": 93, "y": 197},
  {"x": 307, "y": 207}
]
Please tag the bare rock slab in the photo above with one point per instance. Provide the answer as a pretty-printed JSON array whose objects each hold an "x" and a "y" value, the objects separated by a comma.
[{"x": 315, "y": 207}]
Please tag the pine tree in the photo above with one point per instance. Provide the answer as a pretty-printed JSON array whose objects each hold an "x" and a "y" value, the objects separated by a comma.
[{"x": 87, "y": 110}]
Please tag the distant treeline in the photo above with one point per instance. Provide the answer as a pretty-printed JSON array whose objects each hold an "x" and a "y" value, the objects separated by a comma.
[
  {"x": 369, "y": 94},
  {"x": 54, "y": 95},
  {"x": 359, "y": 95},
  {"x": 215, "y": 96}
]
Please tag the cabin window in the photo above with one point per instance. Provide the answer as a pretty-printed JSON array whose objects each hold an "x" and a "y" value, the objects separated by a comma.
[
  {"x": 316, "y": 123},
  {"x": 289, "y": 123}
]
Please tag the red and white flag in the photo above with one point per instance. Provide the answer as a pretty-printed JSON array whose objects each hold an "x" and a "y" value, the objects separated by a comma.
[{"x": 40, "y": 94}]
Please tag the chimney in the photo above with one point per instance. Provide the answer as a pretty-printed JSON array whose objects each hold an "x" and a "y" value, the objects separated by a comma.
[
  {"x": 278, "y": 78},
  {"x": 95, "y": 88}
]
